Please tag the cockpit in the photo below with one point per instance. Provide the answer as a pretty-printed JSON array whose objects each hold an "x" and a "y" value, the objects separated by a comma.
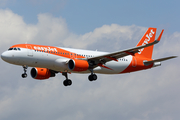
[{"x": 14, "y": 49}]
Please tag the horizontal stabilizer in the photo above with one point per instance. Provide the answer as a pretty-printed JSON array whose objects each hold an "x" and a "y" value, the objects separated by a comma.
[{"x": 158, "y": 60}]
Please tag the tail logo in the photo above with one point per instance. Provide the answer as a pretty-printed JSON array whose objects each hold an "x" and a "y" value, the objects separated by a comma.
[{"x": 147, "y": 39}]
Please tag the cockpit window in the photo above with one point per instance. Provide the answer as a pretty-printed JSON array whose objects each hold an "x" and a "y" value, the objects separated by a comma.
[
  {"x": 10, "y": 48},
  {"x": 19, "y": 49}
]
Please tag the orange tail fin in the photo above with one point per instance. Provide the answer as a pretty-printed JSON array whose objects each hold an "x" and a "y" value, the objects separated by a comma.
[{"x": 148, "y": 37}]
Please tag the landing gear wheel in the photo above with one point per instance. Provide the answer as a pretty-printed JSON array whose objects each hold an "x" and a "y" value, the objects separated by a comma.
[
  {"x": 67, "y": 82},
  {"x": 24, "y": 75},
  {"x": 92, "y": 77}
]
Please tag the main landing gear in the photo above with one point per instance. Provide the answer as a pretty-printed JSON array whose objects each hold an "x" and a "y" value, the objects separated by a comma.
[
  {"x": 93, "y": 76},
  {"x": 24, "y": 75},
  {"x": 66, "y": 82}
]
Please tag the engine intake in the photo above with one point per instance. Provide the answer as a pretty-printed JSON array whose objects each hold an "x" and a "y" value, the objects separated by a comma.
[
  {"x": 78, "y": 65},
  {"x": 41, "y": 73}
]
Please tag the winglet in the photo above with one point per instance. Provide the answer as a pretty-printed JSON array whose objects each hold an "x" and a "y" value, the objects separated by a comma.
[{"x": 159, "y": 38}]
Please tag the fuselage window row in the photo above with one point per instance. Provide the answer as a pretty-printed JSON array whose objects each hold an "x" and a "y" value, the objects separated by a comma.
[
  {"x": 123, "y": 59},
  {"x": 64, "y": 53}
]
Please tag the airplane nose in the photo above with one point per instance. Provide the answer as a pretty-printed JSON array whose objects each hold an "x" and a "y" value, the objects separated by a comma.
[
  {"x": 2, "y": 56},
  {"x": 5, "y": 56}
]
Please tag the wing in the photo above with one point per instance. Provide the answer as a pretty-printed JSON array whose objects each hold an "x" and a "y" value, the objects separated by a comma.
[
  {"x": 102, "y": 59},
  {"x": 119, "y": 54}
]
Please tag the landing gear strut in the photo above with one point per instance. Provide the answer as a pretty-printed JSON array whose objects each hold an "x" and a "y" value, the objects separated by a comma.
[
  {"x": 66, "y": 82},
  {"x": 93, "y": 76},
  {"x": 24, "y": 75}
]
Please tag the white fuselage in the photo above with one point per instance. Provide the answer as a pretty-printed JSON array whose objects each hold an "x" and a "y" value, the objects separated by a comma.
[{"x": 56, "y": 62}]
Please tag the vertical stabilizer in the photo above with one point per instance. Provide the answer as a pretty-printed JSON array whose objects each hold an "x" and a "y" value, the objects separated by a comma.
[{"x": 148, "y": 37}]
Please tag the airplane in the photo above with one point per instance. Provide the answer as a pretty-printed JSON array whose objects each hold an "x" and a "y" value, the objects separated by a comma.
[{"x": 47, "y": 61}]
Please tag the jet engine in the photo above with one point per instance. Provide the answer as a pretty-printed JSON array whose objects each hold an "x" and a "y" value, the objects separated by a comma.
[
  {"x": 41, "y": 73},
  {"x": 78, "y": 65}
]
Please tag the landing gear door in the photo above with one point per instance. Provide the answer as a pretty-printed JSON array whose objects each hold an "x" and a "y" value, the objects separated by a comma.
[{"x": 29, "y": 51}]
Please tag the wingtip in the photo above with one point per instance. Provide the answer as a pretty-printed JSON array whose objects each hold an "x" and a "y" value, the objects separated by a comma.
[
  {"x": 159, "y": 38},
  {"x": 174, "y": 56}
]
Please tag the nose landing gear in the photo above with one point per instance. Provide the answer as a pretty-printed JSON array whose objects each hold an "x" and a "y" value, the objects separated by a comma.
[{"x": 24, "y": 75}]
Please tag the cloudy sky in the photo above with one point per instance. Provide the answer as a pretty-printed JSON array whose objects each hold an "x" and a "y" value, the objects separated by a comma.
[{"x": 103, "y": 25}]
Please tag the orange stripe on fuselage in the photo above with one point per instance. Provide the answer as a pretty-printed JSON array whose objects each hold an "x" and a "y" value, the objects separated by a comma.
[
  {"x": 50, "y": 50},
  {"x": 137, "y": 64}
]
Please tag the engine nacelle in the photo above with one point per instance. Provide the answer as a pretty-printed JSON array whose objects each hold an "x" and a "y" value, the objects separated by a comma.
[
  {"x": 78, "y": 65},
  {"x": 41, "y": 73}
]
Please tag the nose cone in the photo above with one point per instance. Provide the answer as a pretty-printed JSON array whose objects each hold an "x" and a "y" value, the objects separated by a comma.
[
  {"x": 3, "y": 56},
  {"x": 6, "y": 56}
]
